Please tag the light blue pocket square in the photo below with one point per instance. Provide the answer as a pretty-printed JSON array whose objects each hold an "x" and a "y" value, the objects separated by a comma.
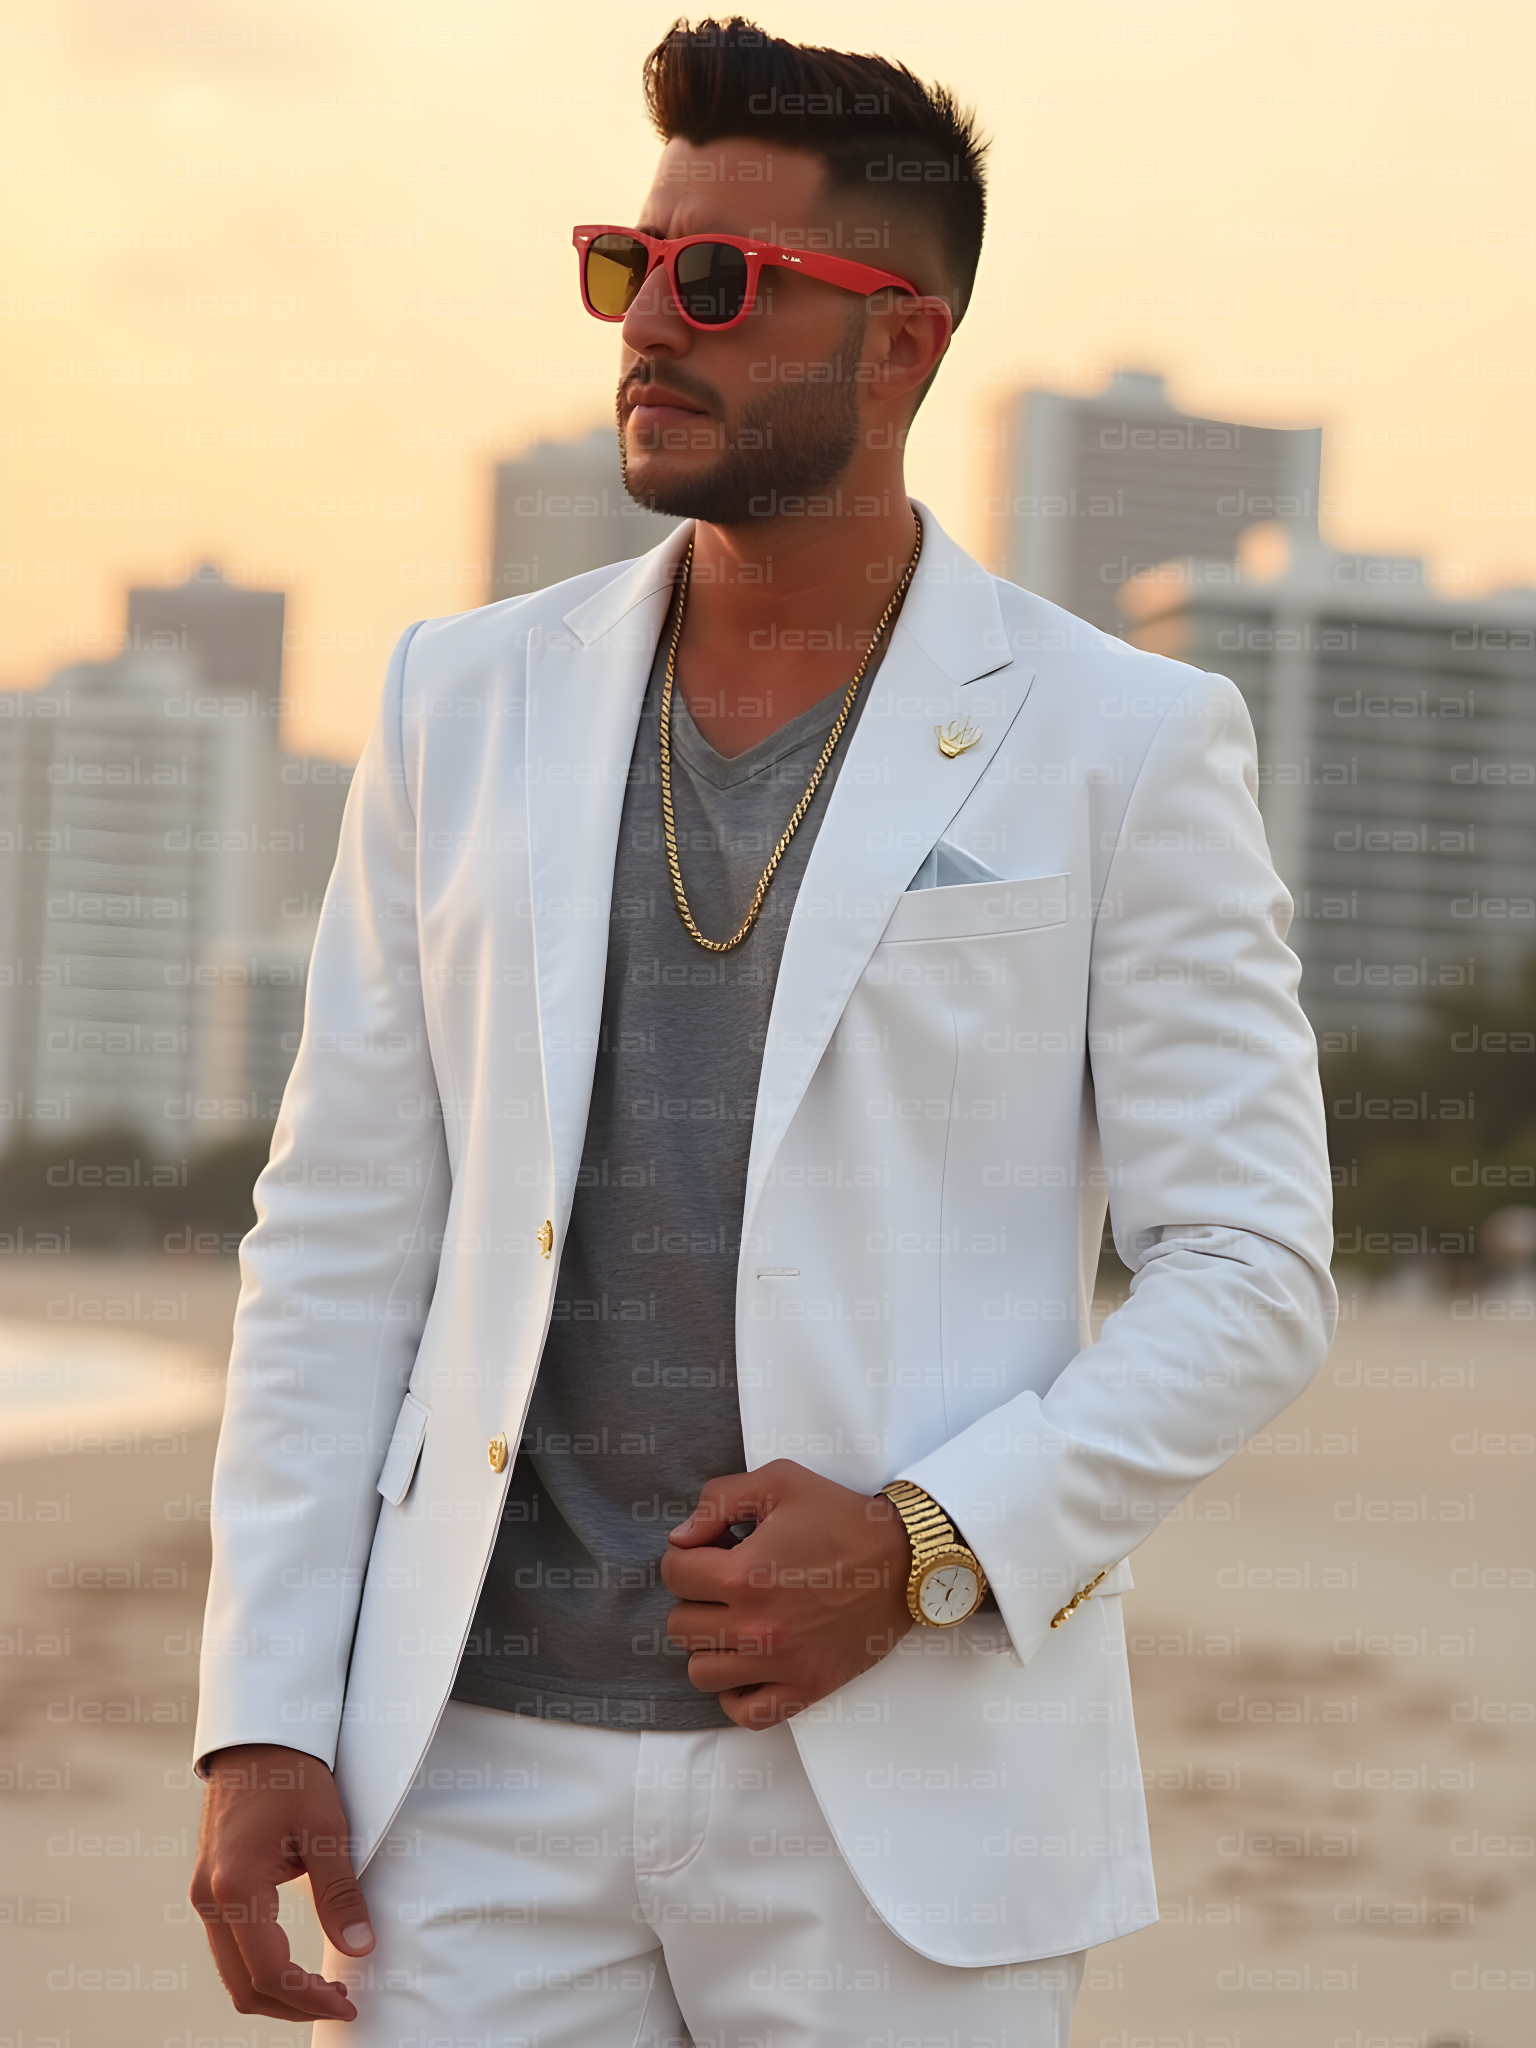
[{"x": 949, "y": 866}]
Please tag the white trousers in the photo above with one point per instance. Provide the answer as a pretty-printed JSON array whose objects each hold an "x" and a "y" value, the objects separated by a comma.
[{"x": 550, "y": 1886}]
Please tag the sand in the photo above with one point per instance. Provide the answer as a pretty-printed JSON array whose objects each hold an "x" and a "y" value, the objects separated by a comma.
[{"x": 1331, "y": 1650}]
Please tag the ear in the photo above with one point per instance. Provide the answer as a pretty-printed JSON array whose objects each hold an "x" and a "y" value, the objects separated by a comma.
[{"x": 916, "y": 333}]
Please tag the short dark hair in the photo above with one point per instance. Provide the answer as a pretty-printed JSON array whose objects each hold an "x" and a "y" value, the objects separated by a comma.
[{"x": 878, "y": 128}]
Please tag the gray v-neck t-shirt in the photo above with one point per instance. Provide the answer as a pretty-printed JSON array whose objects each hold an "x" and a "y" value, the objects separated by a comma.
[{"x": 635, "y": 1406}]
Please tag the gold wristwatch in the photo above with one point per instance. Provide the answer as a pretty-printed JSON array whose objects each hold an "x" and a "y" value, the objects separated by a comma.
[{"x": 947, "y": 1584}]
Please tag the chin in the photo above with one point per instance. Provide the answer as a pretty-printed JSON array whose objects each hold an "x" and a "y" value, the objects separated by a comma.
[{"x": 656, "y": 482}]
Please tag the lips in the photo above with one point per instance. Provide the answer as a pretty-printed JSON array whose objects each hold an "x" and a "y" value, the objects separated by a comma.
[
  {"x": 653, "y": 423},
  {"x": 654, "y": 406}
]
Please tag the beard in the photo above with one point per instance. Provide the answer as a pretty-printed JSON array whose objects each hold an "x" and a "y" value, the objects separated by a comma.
[{"x": 799, "y": 439}]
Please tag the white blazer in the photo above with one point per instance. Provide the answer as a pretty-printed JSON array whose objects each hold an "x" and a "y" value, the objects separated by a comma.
[{"x": 956, "y": 1080}]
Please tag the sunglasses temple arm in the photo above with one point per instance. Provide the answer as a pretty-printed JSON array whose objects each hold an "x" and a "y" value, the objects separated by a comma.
[{"x": 864, "y": 278}]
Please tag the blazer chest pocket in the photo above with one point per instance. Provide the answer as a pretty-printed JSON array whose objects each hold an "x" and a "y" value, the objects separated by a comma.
[
  {"x": 978, "y": 910},
  {"x": 404, "y": 1450}
]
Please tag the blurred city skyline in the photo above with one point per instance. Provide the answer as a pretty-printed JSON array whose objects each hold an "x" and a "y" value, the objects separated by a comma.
[
  {"x": 163, "y": 856},
  {"x": 287, "y": 285}
]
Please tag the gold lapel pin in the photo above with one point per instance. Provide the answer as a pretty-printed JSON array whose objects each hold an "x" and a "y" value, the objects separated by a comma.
[
  {"x": 546, "y": 1237},
  {"x": 958, "y": 737}
]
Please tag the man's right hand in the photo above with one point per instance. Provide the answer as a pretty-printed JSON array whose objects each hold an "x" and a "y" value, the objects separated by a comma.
[{"x": 270, "y": 1815}]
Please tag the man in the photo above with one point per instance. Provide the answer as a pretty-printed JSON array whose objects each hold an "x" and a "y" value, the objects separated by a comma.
[{"x": 666, "y": 1469}]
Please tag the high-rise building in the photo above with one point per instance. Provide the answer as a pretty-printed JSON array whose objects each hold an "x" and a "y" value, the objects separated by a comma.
[
  {"x": 562, "y": 509},
  {"x": 162, "y": 860},
  {"x": 233, "y": 635},
  {"x": 1397, "y": 762},
  {"x": 1101, "y": 489}
]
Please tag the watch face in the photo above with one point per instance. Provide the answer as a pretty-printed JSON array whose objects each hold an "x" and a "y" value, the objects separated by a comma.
[{"x": 948, "y": 1594}]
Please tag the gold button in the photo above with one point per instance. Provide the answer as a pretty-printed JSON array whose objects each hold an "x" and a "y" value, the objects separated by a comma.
[
  {"x": 496, "y": 1451},
  {"x": 546, "y": 1238}
]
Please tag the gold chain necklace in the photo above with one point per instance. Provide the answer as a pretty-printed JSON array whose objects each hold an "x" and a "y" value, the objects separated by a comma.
[{"x": 760, "y": 893}]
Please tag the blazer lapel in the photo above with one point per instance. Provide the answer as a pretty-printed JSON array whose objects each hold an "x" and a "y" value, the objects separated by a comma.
[
  {"x": 948, "y": 661},
  {"x": 586, "y": 683}
]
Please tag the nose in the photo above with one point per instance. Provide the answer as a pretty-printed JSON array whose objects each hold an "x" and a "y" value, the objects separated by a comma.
[{"x": 653, "y": 324}]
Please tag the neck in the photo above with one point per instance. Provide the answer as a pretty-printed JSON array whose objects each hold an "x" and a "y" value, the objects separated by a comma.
[{"x": 780, "y": 612}]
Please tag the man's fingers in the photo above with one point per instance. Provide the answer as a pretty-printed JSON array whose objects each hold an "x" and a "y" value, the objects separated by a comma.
[
  {"x": 737, "y": 1497},
  {"x": 706, "y": 1625},
  {"x": 723, "y": 1671},
  {"x": 242, "y": 1909},
  {"x": 244, "y": 1996},
  {"x": 703, "y": 1574},
  {"x": 252, "y": 1955},
  {"x": 236, "y": 1978},
  {"x": 340, "y": 1907},
  {"x": 250, "y": 1915},
  {"x": 758, "y": 1707},
  {"x": 275, "y": 1975}
]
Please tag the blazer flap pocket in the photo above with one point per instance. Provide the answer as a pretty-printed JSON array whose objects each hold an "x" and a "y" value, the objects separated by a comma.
[
  {"x": 404, "y": 1449},
  {"x": 973, "y": 910}
]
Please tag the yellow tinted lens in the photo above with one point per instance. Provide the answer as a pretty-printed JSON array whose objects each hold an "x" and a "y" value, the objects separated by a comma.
[{"x": 616, "y": 267}]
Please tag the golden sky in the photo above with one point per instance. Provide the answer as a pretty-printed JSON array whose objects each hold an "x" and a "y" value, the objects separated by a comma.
[{"x": 285, "y": 280}]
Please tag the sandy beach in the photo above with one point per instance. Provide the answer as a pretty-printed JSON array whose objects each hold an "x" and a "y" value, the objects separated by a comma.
[{"x": 1330, "y": 1645}]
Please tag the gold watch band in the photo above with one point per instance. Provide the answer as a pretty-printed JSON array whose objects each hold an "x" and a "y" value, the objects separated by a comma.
[{"x": 931, "y": 1533}]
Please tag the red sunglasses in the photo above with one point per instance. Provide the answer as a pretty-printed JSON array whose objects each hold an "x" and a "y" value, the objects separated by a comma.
[{"x": 713, "y": 277}]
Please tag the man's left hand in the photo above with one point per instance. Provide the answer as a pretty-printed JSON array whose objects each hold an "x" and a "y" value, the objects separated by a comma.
[{"x": 815, "y": 1595}]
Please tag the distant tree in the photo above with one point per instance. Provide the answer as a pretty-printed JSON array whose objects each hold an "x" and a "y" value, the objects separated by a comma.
[
  {"x": 1430, "y": 1135},
  {"x": 107, "y": 1192}
]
